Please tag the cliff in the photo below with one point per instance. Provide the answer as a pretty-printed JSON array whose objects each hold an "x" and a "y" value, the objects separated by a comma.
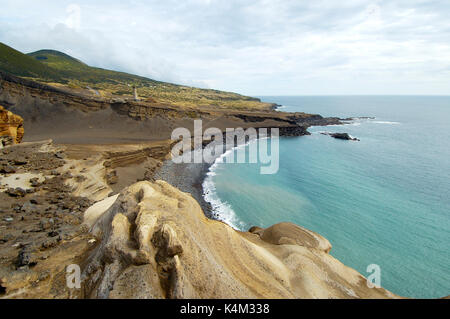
[
  {"x": 11, "y": 128},
  {"x": 155, "y": 242},
  {"x": 68, "y": 116}
]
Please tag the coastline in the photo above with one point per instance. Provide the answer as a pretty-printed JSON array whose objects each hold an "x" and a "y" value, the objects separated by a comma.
[{"x": 190, "y": 177}]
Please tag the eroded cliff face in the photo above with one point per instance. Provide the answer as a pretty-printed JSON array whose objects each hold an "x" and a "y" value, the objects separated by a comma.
[
  {"x": 71, "y": 117},
  {"x": 155, "y": 242},
  {"x": 11, "y": 128}
]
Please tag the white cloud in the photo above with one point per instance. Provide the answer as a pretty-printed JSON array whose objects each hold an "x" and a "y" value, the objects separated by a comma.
[{"x": 253, "y": 47}]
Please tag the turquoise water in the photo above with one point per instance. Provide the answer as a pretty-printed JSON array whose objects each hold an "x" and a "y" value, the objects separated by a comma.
[{"x": 384, "y": 200}]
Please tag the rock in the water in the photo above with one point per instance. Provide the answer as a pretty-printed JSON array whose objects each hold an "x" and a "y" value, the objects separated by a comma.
[
  {"x": 11, "y": 127},
  {"x": 342, "y": 136}
]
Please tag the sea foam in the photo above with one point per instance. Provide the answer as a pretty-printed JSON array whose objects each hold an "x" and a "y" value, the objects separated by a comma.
[{"x": 222, "y": 209}]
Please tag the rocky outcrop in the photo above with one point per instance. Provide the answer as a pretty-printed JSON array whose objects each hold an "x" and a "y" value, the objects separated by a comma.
[
  {"x": 157, "y": 243},
  {"x": 11, "y": 128},
  {"x": 341, "y": 136}
]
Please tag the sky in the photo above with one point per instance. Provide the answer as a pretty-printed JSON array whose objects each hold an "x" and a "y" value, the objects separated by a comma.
[{"x": 259, "y": 47}]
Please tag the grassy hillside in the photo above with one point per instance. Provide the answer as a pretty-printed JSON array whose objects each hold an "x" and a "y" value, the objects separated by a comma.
[
  {"x": 71, "y": 68},
  {"x": 17, "y": 63},
  {"x": 61, "y": 69}
]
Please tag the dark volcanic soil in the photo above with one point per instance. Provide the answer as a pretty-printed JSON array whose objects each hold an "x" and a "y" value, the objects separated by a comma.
[{"x": 38, "y": 222}]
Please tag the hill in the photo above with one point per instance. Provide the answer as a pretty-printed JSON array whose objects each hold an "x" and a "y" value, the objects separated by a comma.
[
  {"x": 17, "y": 63},
  {"x": 59, "y": 69},
  {"x": 74, "y": 69}
]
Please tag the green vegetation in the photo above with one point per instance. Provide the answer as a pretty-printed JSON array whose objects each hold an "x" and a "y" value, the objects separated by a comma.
[
  {"x": 58, "y": 68},
  {"x": 17, "y": 63},
  {"x": 73, "y": 69}
]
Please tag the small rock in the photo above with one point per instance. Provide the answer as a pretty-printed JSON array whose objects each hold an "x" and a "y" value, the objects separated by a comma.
[
  {"x": 44, "y": 275},
  {"x": 5, "y": 238},
  {"x": 112, "y": 178},
  {"x": 35, "y": 182},
  {"x": 67, "y": 175},
  {"x": 27, "y": 208},
  {"x": 59, "y": 155},
  {"x": 23, "y": 259},
  {"x": 80, "y": 178},
  {"x": 46, "y": 223},
  {"x": 20, "y": 162},
  {"x": 53, "y": 233},
  {"x": 16, "y": 192},
  {"x": 7, "y": 169},
  {"x": 51, "y": 242},
  {"x": 5, "y": 141}
]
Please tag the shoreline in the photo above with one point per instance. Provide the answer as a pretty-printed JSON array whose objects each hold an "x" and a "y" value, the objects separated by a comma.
[
  {"x": 190, "y": 177},
  {"x": 192, "y": 182}
]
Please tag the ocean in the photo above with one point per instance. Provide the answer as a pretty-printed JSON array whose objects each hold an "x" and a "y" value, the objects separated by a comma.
[{"x": 384, "y": 200}]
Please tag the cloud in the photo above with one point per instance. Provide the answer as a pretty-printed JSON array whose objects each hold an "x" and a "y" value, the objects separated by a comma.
[{"x": 254, "y": 47}]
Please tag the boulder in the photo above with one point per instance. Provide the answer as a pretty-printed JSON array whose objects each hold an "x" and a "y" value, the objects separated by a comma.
[
  {"x": 11, "y": 128},
  {"x": 341, "y": 136}
]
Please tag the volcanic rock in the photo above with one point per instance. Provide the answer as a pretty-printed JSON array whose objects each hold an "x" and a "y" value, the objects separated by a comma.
[
  {"x": 341, "y": 136},
  {"x": 11, "y": 127}
]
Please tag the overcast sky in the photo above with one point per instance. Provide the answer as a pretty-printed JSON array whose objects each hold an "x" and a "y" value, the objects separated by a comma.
[{"x": 260, "y": 47}]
